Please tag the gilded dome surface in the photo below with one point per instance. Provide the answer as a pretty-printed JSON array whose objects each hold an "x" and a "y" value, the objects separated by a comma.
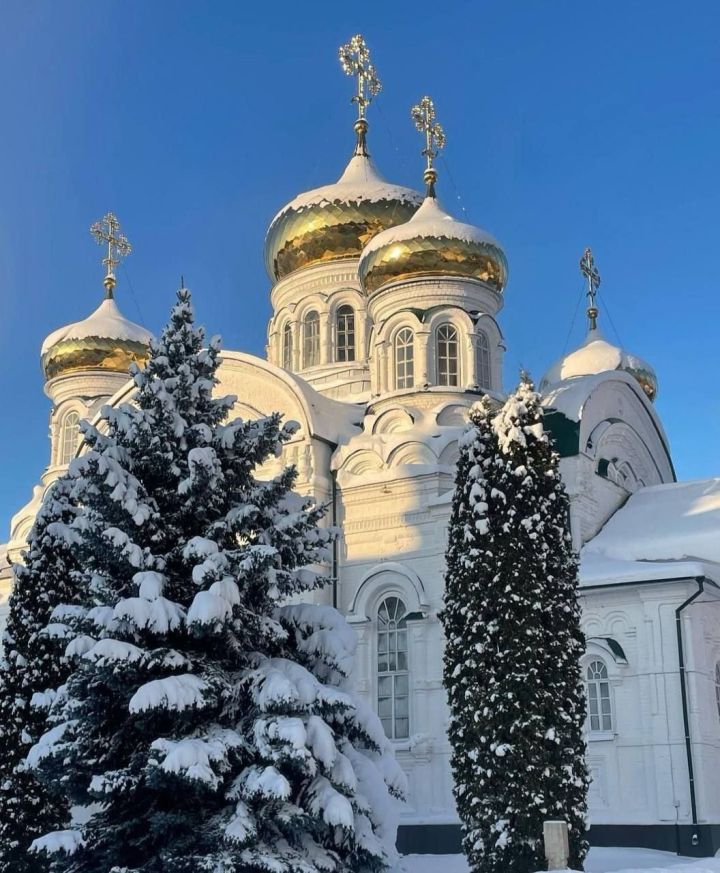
[
  {"x": 336, "y": 221},
  {"x": 597, "y": 355},
  {"x": 433, "y": 243},
  {"x": 105, "y": 340}
]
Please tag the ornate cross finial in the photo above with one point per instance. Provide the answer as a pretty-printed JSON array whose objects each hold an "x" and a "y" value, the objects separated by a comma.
[
  {"x": 591, "y": 273},
  {"x": 355, "y": 61},
  {"x": 423, "y": 114},
  {"x": 107, "y": 232}
]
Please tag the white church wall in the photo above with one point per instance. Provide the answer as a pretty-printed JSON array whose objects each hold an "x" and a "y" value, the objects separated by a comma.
[
  {"x": 6, "y": 583},
  {"x": 592, "y": 499},
  {"x": 702, "y": 648},
  {"x": 322, "y": 288},
  {"x": 393, "y": 544},
  {"x": 639, "y": 769}
]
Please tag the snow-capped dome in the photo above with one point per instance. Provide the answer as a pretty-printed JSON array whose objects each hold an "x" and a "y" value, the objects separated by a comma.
[
  {"x": 597, "y": 355},
  {"x": 337, "y": 220},
  {"x": 105, "y": 340},
  {"x": 432, "y": 243}
]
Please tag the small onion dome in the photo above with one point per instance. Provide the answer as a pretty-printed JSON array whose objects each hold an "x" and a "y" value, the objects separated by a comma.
[
  {"x": 106, "y": 340},
  {"x": 433, "y": 243},
  {"x": 597, "y": 355},
  {"x": 336, "y": 221}
]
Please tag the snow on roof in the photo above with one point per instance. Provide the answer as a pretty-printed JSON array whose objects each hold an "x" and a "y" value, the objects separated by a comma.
[
  {"x": 361, "y": 181},
  {"x": 107, "y": 322},
  {"x": 342, "y": 420},
  {"x": 596, "y": 569},
  {"x": 676, "y": 522},
  {"x": 569, "y": 397},
  {"x": 595, "y": 355},
  {"x": 431, "y": 220}
]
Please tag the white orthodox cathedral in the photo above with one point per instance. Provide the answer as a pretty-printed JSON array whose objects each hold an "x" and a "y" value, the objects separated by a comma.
[{"x": 385, "y": 329}]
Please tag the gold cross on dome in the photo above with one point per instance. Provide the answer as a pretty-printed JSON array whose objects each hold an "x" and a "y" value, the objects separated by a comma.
[
  {"x": 355, "y": 61},
  {"x": 107, "y": 232},
  {"x": 423, "y": 114},
  {"x": 592, "y": 274}
]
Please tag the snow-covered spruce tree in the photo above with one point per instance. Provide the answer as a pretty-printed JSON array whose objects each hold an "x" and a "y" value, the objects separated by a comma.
[
  {"x": 512, "y": 624},
  {"x": 208, "y": 725},
  {"x": 33, "y": 665}
]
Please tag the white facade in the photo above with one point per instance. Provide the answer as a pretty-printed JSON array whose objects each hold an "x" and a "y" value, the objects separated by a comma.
[{"x": 381, "y": 400}]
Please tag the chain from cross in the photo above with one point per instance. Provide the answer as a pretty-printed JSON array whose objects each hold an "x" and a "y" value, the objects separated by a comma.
[
  {"x": 591, "y": 273},
  {"x": 355, "y": 61},
  {"x": 423, "y": 114},
  {"x": 107, "y": 232}
]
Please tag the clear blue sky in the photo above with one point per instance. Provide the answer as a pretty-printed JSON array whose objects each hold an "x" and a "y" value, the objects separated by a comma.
[{"x": 569, "y": 124}]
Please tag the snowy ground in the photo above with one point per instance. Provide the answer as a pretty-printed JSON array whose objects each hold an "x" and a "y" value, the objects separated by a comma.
[{"x": 600, "y": 860}]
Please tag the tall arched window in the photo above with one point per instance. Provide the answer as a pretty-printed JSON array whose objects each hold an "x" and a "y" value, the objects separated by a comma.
[
  {"x": 717, "y": 687},
  {"x": 287, "y": 346},
  {"x": 598, "y": 697},
  {"x": 69, "y": 437},
  {"x": 482, "y": 361},
  {"x": 345, "y": 322},
  {"x": 311, "y": 339},
  {"x": 393, "y": 689},
  {"x": 404, "y": 359},
  {"x": 447, "y": 355}
]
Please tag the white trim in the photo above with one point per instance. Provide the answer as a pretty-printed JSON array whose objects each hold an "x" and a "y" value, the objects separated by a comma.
[{"x": 401, "y": 579}]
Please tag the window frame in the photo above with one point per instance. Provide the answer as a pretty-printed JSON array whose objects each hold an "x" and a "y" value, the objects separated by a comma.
[
  {"x": 69, "y": 437},
  {"x": 597, "y": 690},
  {"x": 392, "y": 675},
  {"x": 311, "y": 342},
  {"x": 286, "y": 349},
  {"x": 483, "y": 364},
  {"x": 444, "y": 360},
  {"x": 345, "y": 334},
  {"x": 717, "y": 687},
  {"x": 404, "y": 369}
]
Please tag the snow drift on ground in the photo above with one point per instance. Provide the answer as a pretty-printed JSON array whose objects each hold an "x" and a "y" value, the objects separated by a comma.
[{"x": 600, "y": 860}]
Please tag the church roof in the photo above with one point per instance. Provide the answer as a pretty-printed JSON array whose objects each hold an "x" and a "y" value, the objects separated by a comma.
[
  {"x": 663, "y": 531},
  {"x": 106, "y": 322},
  {"x": 105, "y": 340},
  {"x": 566, "y": 402},
  {"x": 597, "y": 355},
  {"x": 335, "y": 221},
  {"x": 432, "y": 243}
]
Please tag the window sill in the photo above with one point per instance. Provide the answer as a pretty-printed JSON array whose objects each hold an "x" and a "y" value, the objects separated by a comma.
[{"x": 600, "y": 736}]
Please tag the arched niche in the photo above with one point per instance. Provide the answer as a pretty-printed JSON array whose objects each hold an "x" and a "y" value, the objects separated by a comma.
[
  {"x": 411, "y": 452},
  {"x": 452, "y": 415},
  {"x": 362, "y": 461},
  {"x": 609, "y": 416},
  {"x": 384, "y": 579},
  {"x": 393, "y": 421}
]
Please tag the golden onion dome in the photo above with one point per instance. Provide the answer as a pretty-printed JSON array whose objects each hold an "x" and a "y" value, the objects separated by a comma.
[
  {"x": 597, "y": 355},
  {"x": 106, "y": 340},
  {"x": 336, "y": 221},
  {"x": 432, "y": 243}
]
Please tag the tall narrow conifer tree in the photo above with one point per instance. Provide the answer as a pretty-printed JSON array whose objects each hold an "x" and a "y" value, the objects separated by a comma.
[
  {"x": 208, "y": 724},
  {"x": 512, "y": 623},
  {"x": 32, "y": 667}
]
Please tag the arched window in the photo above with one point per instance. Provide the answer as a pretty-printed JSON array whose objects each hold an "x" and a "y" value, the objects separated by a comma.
[
  {"x": 447, "y": 355},
  {"x": 404, "y": 359},
  {"x": 345, "y": 321},
  {"x": 287, "y": 346},
  {"x": 598, "y": 697},
  {"x": 311, "y": 339},
  {"x": 70, "y": 437},
  {"x": 482, "y": 361},
  {"x": 717, "y": 687},
  {"x": 393, "y": 689}
]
